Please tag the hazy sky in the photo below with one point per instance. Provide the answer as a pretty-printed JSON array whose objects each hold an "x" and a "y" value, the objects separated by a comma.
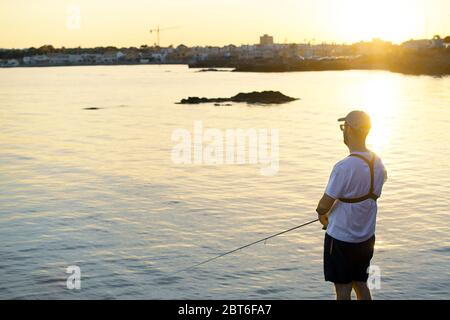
[{"x": 25, "y": 23}]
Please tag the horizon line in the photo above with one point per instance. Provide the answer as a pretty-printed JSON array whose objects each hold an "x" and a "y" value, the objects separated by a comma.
[{"x": 314, "y": 43}]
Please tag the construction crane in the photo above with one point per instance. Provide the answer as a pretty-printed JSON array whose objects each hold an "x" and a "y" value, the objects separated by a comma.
[{"x": 158, "y": 30}]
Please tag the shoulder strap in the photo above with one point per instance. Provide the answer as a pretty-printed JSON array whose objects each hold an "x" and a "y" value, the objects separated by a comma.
[
  {"x": 370, "y": 195},
  {"x": 370, "y": 163}
]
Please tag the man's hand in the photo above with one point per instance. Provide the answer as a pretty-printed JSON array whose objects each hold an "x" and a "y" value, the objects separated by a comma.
[{"x": 324, "y": 220}]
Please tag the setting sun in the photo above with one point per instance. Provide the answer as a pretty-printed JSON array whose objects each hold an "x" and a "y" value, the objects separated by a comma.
[
  {"x": 395, "y": 21},
  {"x": 201, "y": 22},
  {"x": 380, "y": 98}
]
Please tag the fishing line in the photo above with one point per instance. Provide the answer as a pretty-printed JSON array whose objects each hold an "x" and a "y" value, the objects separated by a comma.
[{"x": 245, "y": 246}]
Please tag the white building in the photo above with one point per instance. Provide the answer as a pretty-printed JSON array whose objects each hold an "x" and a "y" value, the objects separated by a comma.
[
  {"x": 36, "y": 60},
  {"x": 59, "y": 59},
  {"x": 9, "y": 63},
  {"x": 75, "y": 58},
  {"x": 92, "y": 58},
  {"x": 12, "y": 63},
  {"x": 120, "y": 55},
  {"x": 158, "y": 57},
  {"x": 109, "y": 57}
]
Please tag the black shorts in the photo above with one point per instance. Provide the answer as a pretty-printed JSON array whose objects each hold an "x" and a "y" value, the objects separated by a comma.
[{"x": 345, "y": 262}]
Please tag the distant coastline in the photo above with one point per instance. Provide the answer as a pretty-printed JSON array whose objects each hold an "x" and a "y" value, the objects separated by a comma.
[
  {"x": 433, "y": 64},
  {"x": 415, "y": 66},
  {"x": 91, "y": 65},
  {"x": 415, "y": 57}
]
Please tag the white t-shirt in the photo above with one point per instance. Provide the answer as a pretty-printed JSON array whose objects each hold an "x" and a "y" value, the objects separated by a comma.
[{"x": 350, "y": 178}]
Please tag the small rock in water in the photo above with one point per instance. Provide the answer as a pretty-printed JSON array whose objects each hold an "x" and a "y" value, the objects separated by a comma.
[
  {"x": 222, "y": 104},
  {"x": 255, "y": 97},
  {"x": 212, "y": 70}
]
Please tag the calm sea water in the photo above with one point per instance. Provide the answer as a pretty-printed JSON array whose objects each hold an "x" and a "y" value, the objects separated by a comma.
[{"x": 98, "y": 188}]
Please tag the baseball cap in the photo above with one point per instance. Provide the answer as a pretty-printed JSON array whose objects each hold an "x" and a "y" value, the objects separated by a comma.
[{"x": 357, "y": 119}]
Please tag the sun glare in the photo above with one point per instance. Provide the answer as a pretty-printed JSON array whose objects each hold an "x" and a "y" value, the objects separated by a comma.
[
  {"x": 395, "y": 21},
  {"x": 379, "y": 96}
]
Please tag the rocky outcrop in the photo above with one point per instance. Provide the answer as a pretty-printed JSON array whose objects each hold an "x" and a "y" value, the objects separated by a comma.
[
  {"x": 263, "y": 97},
  {"x": 213, "y": 70}
]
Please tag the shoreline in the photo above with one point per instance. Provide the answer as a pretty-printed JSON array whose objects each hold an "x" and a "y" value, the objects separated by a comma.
[
  {"x": 274, "y": 67},
  {"x": 405, "y": 64},
  {"x": 88, "y": 65}
]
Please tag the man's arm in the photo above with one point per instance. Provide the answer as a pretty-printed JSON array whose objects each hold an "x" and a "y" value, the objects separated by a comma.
[{"x": 324, "y": 206}]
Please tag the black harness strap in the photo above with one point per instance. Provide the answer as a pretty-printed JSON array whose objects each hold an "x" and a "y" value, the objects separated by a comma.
[{"x": 370, "y": 195}]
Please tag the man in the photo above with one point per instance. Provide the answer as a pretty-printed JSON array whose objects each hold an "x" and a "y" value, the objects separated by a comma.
[{"x": 348, "y": 211}]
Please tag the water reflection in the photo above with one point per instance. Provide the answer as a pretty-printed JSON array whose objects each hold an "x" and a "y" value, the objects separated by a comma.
[
  {"x": 98, "y": 188},
  {"x": 380, "y": 96}
]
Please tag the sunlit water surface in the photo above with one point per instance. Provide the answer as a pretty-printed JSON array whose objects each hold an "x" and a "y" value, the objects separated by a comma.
[{"x": 98, "y": 188}]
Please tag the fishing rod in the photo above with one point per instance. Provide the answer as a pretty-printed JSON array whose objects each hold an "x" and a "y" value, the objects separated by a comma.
[{"x": 245, "y": 246}]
